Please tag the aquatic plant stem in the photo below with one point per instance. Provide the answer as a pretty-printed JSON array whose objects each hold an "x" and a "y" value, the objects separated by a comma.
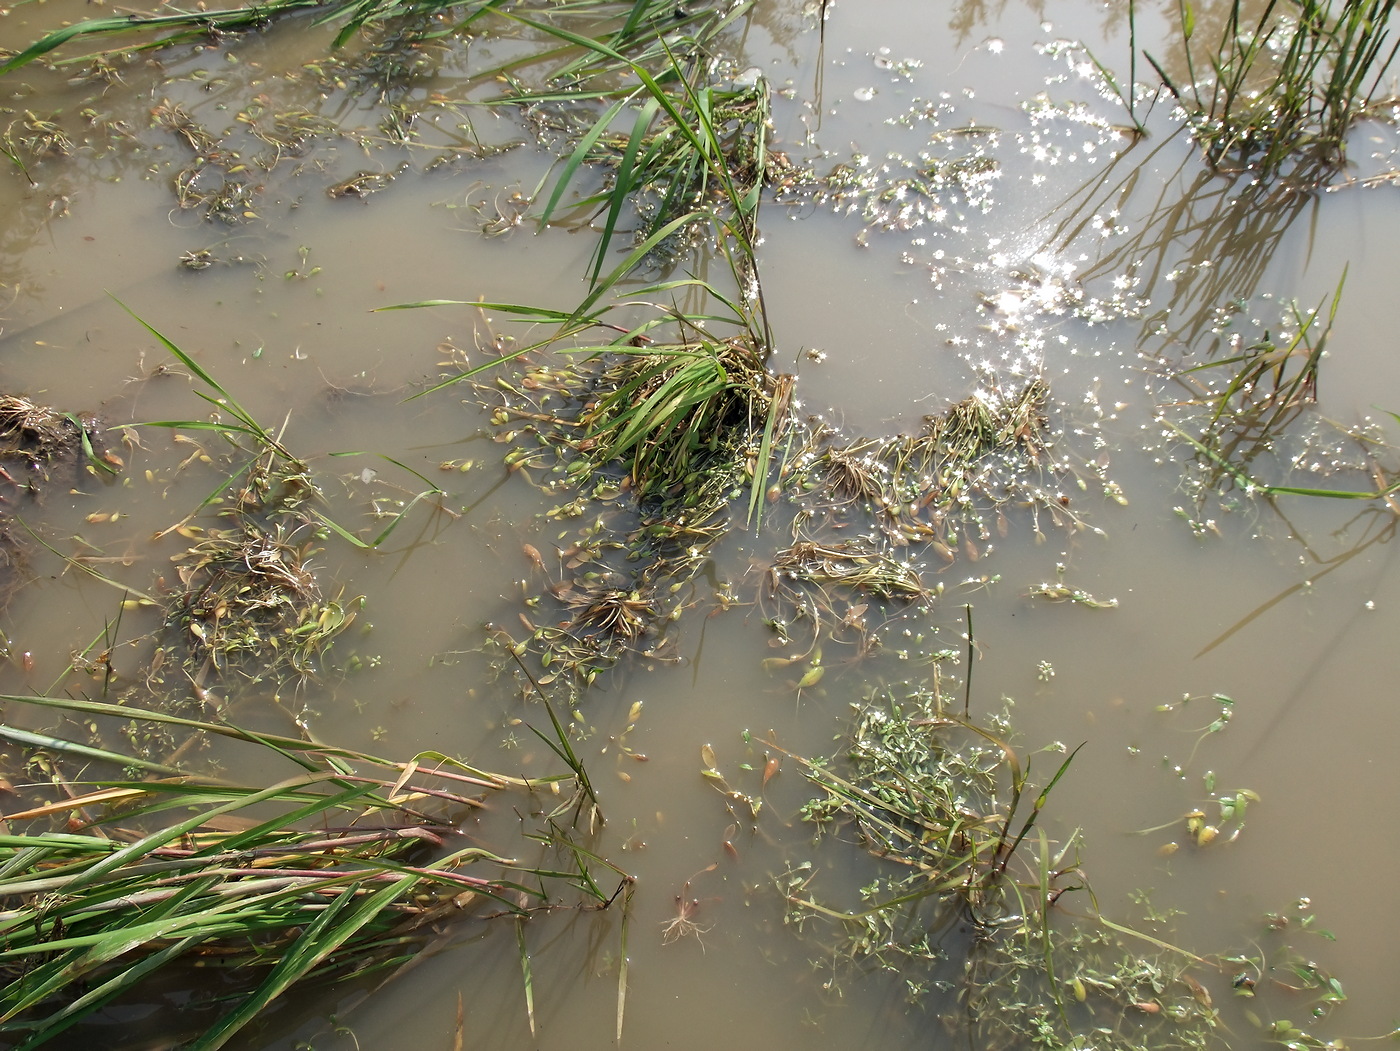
[{"x": 967, "y": 678}]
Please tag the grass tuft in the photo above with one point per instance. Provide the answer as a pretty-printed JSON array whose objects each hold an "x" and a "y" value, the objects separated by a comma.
[
  {"x": 335, "y": 868},
  {"x": 1279, "y": 94}
]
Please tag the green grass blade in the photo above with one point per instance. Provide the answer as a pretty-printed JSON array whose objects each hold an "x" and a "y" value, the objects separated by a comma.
[
  {"x": 630, "y": 263},
  {"x": 758, "y": 487},
  {"x": 524, "y": 952},
  {"x": 95, "y": 998},
  {"x": 289, "y": 745},
  {"x": 205, "y": 425},
  {"x": 569, "y": 330},
  {"x": 623, "y": 184},
  {"x": 321, "y": 938},
  {"x": 160, "y": 838},
  {"x": 576, "y": 158},
  {"x": 89, "y": 453},
  {"x": 397, "y": 463},
  {"x": 175, "y": 351},
  {"x": 59, "y": 37},
  {"x": 224, "y": 401}
]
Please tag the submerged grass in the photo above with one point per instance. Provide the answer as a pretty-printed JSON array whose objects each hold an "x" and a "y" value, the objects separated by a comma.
[
  {"x": 966, "y": 903},
  {"x": 247, "y": 598},
  {"x": 922, "y": 787},
  {"x": 647, "y": 446},
  {"x": 941, "y": 486}
]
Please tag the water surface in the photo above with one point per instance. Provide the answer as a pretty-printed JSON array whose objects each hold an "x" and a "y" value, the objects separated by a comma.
[{"x": 1285, "y": 607}]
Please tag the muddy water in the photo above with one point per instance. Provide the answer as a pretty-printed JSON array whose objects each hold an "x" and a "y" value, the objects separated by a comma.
[{"x": 1287, "y": 608}]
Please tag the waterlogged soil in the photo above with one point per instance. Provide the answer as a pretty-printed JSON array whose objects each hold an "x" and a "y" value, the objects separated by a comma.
[{"x": 1043, "y": 253}]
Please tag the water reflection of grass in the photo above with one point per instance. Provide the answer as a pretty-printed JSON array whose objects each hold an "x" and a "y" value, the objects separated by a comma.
[
  {"x": 1202, "y": 247},
  {"x": 1199, "y": 243}
]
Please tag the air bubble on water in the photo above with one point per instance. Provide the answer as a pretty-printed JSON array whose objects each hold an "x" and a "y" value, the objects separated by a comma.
[{"x": 863, "y": 94}]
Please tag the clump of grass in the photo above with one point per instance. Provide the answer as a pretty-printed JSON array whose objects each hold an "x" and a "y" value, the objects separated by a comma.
[
  {"x": 672, "y": 412},
  {"x": 625, "y": 613},
  {"x": 37, "y": 442},
  {"x": 33, "y": 437},
  {"x": 964, "y": 901},
  {"x": 852, "y": 564},
  {"x": 248, "y": 598},
  {"x": 1283, "y": 91},
  {"x": 648, "y": 446},
  {"x": 1266, "y": 386},
  {"x": 989, "y": 421},
  {"x": 920, "y": 488},
  {"x": 334, "y": 870},
  {"x": 27, "y": 425},
  {"x": 923, "y": 788},
  {"x": 1101, "y": 984},
  {"x": 915, "y": 193}
]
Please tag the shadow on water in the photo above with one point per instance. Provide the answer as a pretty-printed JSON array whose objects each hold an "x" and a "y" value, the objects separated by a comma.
[{"x": 1200, "y": 241}]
